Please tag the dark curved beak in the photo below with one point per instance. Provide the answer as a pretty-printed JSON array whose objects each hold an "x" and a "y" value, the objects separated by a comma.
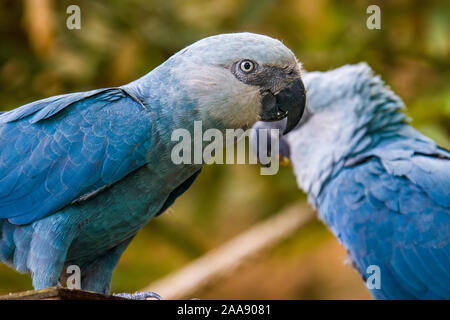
[{"x": 289, "y": 102}]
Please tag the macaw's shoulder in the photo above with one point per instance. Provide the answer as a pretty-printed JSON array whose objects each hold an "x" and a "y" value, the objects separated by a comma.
[
  {"x": 417, "y": 159},
  {"x": 56, "y": 150},
  {"x": 393, "y": 212},
  {"x": 46, "y": 108}
]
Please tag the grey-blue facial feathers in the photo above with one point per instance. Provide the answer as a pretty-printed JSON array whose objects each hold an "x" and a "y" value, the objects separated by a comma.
[
  {"x": 275, "y": 72},
  {"x": 226, "y": 49},
  {"x": 350, "y": 112}
]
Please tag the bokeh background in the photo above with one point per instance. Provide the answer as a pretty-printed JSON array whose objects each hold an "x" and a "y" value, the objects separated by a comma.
[{"x": 120, "y": 41}]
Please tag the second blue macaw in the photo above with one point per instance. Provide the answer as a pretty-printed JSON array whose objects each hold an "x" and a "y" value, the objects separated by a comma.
[
  {"x": 381, "y": 186},
  {"x": 81, "y": 173}
]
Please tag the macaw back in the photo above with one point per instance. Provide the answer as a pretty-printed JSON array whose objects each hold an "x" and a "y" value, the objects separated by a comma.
[
  {"x": 393, "y": 212},
  {"x": 381, "y": 186}
]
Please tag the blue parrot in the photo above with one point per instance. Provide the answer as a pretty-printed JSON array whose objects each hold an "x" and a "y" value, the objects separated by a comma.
[
  {"x": 81, "y": 173},
  {"x": 381, "y": 187}
]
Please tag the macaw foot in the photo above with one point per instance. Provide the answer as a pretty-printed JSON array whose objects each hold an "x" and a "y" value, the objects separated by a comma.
[{"x": 144, "y": 295}]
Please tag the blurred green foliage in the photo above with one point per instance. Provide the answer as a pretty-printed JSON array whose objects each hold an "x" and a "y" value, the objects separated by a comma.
[{"x": 122, "y": 40}]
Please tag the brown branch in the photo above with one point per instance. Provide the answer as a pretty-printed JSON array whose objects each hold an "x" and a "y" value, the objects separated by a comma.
[{"x": 58, "y": 293}]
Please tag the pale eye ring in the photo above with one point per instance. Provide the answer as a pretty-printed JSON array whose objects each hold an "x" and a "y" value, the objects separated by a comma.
[{"x": 247, "y": 66}]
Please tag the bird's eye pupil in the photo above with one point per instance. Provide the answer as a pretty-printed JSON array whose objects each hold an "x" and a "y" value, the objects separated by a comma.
[{"x": 247, "y": 66}]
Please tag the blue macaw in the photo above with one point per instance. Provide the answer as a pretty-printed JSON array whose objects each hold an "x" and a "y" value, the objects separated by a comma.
[
  {"x": 81, "y": 173},
  {"x": 381, "y": 186}
]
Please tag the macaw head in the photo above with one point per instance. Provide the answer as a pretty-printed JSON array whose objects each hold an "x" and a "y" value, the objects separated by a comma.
[
  {"x": 347, "y": 110},
  {"x": 234, "y": 80}
]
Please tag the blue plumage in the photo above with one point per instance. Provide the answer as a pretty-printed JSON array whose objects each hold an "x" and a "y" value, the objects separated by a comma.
[
  {"x": 394, "y": 220},
  {"x": 81, "y": 173},
  {"x": 381, "y": 186},
  {"x": 53, "y": 154}
]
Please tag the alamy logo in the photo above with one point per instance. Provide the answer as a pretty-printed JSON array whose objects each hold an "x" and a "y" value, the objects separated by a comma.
[
  {"x": 74, "y": 280},
  {"x": 203, "y": 147},
  {"x": 374, "y": 20},
  {"x": 374, "y": 280},
  {"x": 74, "y": 20}
]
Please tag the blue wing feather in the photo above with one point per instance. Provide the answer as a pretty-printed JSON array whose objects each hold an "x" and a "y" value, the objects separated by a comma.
[
  {"x": 45, "y": 108},
  {"x": 58, "y": 149},
  {"x": 399, "y": 219}
]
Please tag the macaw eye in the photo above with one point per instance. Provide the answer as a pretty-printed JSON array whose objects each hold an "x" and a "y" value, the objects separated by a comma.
[{"x": 247, "y": 66}]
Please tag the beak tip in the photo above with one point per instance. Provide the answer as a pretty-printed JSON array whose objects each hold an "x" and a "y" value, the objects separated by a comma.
[{"x": 296, "y": 105}]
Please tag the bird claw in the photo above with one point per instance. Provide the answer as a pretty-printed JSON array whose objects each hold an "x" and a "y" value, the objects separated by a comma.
[{"x": 144, "y": 295}]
